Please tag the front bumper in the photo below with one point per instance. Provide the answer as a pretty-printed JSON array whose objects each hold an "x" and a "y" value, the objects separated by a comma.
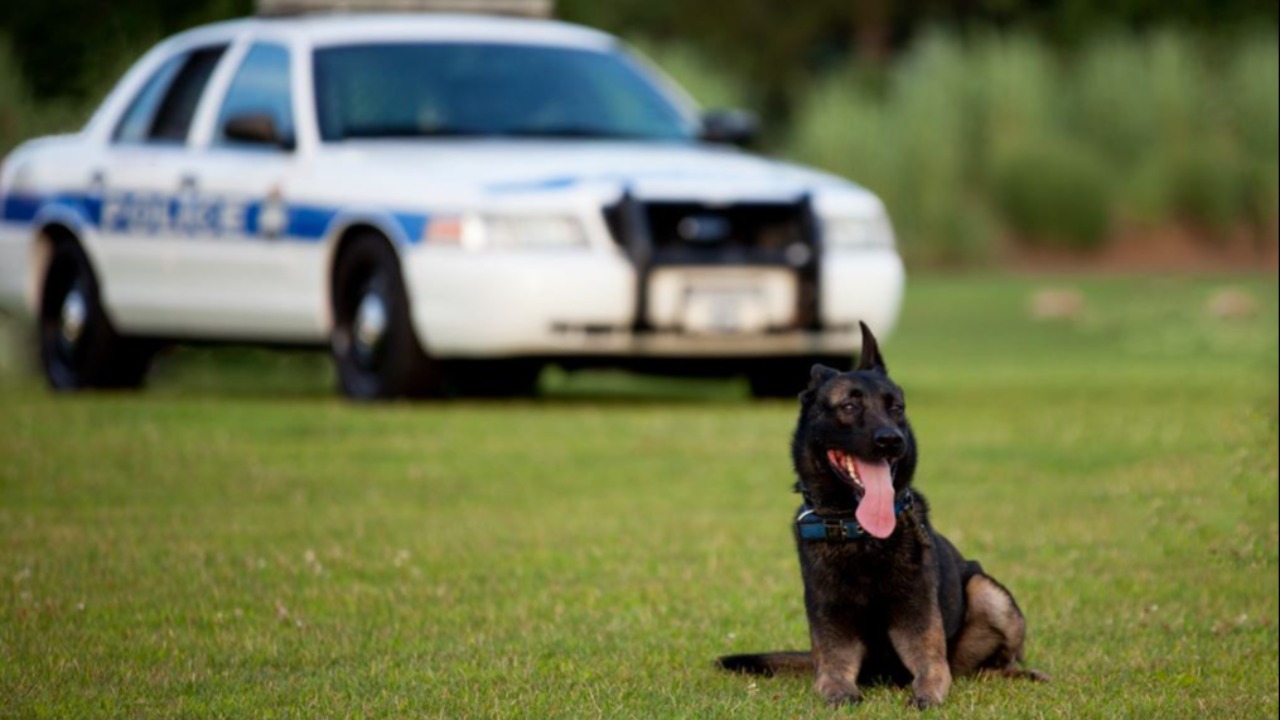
[{"x": 575, "y": 304}]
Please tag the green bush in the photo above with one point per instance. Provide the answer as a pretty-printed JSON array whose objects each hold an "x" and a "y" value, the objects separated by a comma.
[
  {"x": 1013, "y": 88},
  {"x": 1250, "y": 93},
  {"x": 907, "y": 142},
  {"x": 1112, "y": 106},
  {"x": 15, "y": 103},
  {"x": 990, "y": 132},
  {"x": 1262, "y": 190},
  {"x": 1054, "y": 193},
  {"x": 21, "y": 117},
  {"x": 1210, "y": 186}
]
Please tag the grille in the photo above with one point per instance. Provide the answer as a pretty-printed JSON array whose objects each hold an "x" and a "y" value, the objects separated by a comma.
[
  {"x": 696, "y": 234},
  {"x": 663, "y": 234}
]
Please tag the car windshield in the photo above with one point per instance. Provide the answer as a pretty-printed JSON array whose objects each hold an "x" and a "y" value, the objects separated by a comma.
[{"x": 489, "y": 90}]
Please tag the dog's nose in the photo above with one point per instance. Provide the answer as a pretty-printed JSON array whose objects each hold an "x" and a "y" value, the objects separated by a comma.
[{"x": 890, "y": 441}]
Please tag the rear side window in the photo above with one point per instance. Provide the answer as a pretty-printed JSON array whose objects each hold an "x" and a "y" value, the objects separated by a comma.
[
  {"x": 261, "y": 85},
  {"x": 164, "y": 107},
  {"x": 136, "y": 123}
]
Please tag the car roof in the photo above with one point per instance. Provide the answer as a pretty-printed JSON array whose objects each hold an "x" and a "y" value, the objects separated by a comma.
[{"x": 343, "y": 28}]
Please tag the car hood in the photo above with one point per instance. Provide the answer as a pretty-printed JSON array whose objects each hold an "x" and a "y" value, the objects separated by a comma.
[{"x": 650, "y": 170}]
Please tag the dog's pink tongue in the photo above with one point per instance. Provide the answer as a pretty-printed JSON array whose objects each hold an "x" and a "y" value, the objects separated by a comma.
[{"x": 875, "y": 512}]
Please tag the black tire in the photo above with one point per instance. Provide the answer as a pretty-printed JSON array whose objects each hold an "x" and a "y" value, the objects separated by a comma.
[
  {"x": 389, "y": 363},
  {"x": 79, "y": 349},
  {"x": 786, "y": 377}
]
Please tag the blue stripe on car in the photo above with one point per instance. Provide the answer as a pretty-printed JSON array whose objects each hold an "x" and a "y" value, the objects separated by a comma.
[
  {"x": 304, "y": 222},
  {"x": 18, "y": 208},
  {"x": 308, "y": 223},
  {"x": 413, "y": 225}
]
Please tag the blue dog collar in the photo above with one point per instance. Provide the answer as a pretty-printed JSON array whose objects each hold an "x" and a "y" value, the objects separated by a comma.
[{"x": 814, "y": 528}]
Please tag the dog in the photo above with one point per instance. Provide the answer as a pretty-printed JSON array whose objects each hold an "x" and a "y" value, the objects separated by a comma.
[{"x": 887, "y": 597}]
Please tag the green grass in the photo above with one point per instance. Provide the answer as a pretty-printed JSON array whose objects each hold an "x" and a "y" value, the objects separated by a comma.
[{"x": 238, "y": 542}]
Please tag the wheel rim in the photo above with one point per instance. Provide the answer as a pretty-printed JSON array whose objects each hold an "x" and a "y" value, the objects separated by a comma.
[
  {"x": 72, "y": 317},
  {"x": 374, "y": 347},
  {"x": 67, "y": 324},
  {"x": 369, "y": 326}
]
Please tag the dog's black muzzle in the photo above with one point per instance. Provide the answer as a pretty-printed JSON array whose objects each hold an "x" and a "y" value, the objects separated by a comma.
[{"x": 890, "y": 443}]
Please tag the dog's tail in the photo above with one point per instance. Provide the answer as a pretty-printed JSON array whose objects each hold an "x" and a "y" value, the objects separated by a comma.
[{"x": 768, "y": 664}]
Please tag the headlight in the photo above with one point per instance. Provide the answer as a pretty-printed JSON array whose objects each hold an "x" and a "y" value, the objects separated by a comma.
[
  {"x": 865, "y": 233},
  {"x": 507, "y": 232},
  {"x": 510, "y": 232}
]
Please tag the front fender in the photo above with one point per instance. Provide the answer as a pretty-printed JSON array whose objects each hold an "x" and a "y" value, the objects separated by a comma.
[{"x": 402, "y": 229}]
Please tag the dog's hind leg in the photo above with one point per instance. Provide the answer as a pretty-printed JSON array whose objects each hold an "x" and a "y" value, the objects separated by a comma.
[{"x": 993, "y": 634}]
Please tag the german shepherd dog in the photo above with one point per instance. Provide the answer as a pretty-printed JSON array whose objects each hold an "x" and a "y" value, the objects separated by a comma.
[{"x": 887, "y": 597}]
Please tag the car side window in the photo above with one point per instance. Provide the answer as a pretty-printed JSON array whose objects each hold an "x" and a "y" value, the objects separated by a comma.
[
  {"x": 173, "y": 118},
  {"x": 136, "y": 123},
  {"x": 163, "y": 109},
  {"x": 260, "y": 86}
]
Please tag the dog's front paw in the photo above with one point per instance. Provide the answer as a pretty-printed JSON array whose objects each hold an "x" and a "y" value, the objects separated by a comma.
[
  {"x": 930, "y": 689},
  {"x": 838, "y": 693},
  {"x": 924, "y": 702},
  {"x": 850, "y": 697},
  {"x": 923, "y": 699}
]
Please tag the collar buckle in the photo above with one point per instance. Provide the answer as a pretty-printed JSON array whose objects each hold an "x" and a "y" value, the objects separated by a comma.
[{"x": 835, "y": 529}]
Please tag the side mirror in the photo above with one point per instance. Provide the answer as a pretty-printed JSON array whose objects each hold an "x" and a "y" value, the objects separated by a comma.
[
  {"x": 732, "y": 127},
  {"x": 257, "y": 128}
]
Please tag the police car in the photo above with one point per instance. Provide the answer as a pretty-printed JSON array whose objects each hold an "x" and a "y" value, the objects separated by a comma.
[{"x": 447, "y": 202}]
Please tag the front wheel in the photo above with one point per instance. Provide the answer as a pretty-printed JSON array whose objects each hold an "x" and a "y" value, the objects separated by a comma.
[
  {"x": 79, "y": 349},
  {"x": 374, "y": 345}
]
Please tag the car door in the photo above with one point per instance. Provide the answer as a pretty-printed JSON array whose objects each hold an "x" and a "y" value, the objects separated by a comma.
[
  {"x": 255, "y": 276},
  {"x": 140, "y": 180}
]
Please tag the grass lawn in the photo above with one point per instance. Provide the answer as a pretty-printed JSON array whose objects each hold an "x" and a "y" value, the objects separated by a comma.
[{"x": 236, "y": 541}]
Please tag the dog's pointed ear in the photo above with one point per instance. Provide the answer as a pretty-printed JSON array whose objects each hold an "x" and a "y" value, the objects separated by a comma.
[
  {"x": 819, "y": 374},
  {"x": 869, "y": 358}
]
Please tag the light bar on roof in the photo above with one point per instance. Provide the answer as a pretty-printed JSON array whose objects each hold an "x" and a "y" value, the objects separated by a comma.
[{"x": 524, "y": 8}]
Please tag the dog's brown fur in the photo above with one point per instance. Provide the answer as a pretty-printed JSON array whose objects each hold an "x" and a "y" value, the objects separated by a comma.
[{"x": 906, "y": 608}]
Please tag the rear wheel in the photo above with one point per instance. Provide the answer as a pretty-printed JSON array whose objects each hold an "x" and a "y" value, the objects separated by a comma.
[
  {"x": 79, "y": 348},
  {"x": 374, "y": 345},
  {"x": 786, "y": 377}
]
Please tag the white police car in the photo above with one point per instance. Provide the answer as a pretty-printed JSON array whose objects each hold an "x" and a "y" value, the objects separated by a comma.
[{"x": 447, "y": 201}]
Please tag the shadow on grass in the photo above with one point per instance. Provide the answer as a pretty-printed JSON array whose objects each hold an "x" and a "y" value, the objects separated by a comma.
[
  {"x": 201, "y": 373},
  {"x": 296, "y": 374}
]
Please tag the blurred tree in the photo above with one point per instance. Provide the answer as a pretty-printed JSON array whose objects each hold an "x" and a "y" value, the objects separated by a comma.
[
  {"x": 777, "y": 47},
  {"x": 72, "y": 48}
]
